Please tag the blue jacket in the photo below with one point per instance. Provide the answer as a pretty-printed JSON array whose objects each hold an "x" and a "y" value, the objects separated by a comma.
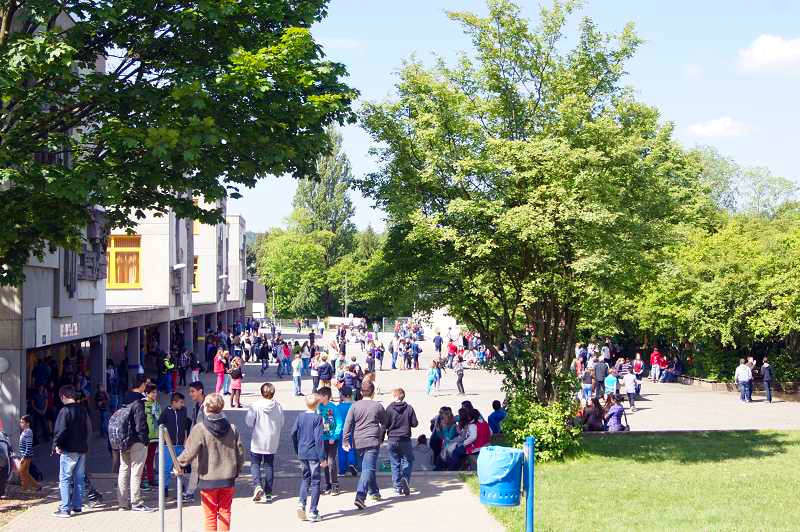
[
  {"x": 332, "y": 420},
  {"x": 307, "y": 437}
]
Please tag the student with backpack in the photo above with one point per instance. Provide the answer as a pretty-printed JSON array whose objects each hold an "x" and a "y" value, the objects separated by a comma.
[
  {"x": 307, "y": 440},
  {"x": 128, "y": 433},
  {"x": 332, "y": 423}
]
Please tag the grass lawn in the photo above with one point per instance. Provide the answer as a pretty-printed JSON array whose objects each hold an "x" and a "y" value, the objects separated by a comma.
[{"x": 703, "y": 481}]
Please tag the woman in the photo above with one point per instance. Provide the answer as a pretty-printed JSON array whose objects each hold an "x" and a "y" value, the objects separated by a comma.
[
  {"x": 432, "y": 373},
  {"x": 443, "y": 434},
  {"x": 236, "y": 372},
  {"x": 614, "y": 417},
  {"x": 459, "y": 369},
  {"x": 593, "y": 417}
]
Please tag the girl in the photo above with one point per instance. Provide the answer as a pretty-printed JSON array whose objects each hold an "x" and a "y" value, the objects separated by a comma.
[
  {"x": 195, "y": 365},
  {"x": 236, "y": 373},
  {"x": 314, "y": 368},
  {"x": 432, "y": 373},
  {"x": 459, "y": 369},
  {"x": 219, "y": 370},
  {"x": 297, "y": 372},
  {"x": 305, "y": 355}
]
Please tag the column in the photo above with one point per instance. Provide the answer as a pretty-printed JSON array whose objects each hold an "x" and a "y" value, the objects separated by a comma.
[
  {"x": 163, "y": 336},
  {"x": 188, "y": 334},
  {"x": 97, "y": 362},
  {"x": 133, "y": 354},
  {"x": 200, "y": 346}
]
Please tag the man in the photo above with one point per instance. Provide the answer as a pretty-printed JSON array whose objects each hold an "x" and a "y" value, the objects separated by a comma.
[
  {"x": 400, "y": 419},
  {"x": 132, "y": 459},
  {"x": 70, "y": 442},
  {"x": 437, "y": 344},
  {"x": 744, "y": 379},
  {"x": 365, "y": 424},
  {"x": 600, "y": 374},
  {"x": 265, "y": 417}
]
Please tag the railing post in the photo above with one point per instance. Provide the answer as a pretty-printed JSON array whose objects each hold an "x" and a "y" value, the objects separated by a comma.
[
  {"x": 179, "y": 487},
  {"x": 161, "y": 501},
  {"x": 530, "y": 463}
]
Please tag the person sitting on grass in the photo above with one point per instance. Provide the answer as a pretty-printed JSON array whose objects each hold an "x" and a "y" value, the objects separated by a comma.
[{"x": 614, "y": 417}]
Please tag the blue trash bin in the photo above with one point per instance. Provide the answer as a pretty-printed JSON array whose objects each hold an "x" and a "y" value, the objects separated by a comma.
[{"x": 500, "y": 475}]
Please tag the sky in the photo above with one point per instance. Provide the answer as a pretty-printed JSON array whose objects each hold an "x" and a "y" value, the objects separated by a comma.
[{"x": 725, "y": 72}]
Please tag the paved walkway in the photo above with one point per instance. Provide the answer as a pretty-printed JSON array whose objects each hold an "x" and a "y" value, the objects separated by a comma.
[{"x": 663, "y": 407}]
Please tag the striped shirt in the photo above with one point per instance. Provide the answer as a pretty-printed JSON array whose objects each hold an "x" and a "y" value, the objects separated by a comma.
[{"x": 26, "y": 444}]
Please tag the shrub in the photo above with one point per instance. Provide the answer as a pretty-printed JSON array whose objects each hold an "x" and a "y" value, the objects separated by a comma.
[{"x": 551, "y": 425}]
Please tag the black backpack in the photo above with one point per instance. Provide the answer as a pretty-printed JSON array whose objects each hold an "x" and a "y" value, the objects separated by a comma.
[{"x": 120, "y": 428}]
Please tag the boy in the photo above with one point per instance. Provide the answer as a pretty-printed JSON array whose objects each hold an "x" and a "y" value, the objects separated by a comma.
[
  {"x": 26, "y": 455},
  {"x": 265, "y": 417},
  {"x": 348, "y": 460},
  {"x": 152, "y": 411},
  {"x": 325, "y": 371},
  {"x": 307, "y": 440},
  {"x": 497, "y": 417},
  {"x": 400, "y": 419},
  {"x": 297, "y": 372},
  {"x": 332, "y": 423},
  {"x": 610, "y": 383},
  {"x": 178, "y": 426},
  {"x": 629, "y": 383}
]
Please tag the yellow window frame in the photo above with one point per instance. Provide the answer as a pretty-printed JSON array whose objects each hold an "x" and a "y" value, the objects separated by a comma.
[
  {"x": 122, "y": 244},
  {"x": 196, "y": 274}
]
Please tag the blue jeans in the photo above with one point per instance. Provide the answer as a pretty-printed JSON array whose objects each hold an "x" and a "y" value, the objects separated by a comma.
[
  {"x": 226, "y": 384},
  {"x": 168, "y": 465},
  {"x": 401, "y": 456},
  {"x": 71, "y": 473},
  {"x": 368, "y": 481},
  {"x": 310, "y": 481},
  {"x": 394, "y": 360},
  {"x": 586, "y": 391},
  {"x": 306, "y": 366},
  {"x": 257, "y": 461},
  {"x": 744, "y": 391},
  {"x": 768, "y": 389},
  {"x": 264, "y": 365},
  {"x": 454, "y": 464},
  {"x": 296, "y": 385}
]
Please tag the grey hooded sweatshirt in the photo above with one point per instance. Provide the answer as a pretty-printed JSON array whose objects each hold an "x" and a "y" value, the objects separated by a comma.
[{"x": 265, "y": 417}]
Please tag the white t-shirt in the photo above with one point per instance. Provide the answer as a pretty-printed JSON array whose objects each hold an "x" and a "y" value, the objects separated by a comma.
[
  {"x": 629, "y": 382},
  {"x": 297, "y": 368}
]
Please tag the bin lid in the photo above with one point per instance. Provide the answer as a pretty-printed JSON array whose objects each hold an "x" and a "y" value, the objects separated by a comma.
[{"x": 495, "y": 463}]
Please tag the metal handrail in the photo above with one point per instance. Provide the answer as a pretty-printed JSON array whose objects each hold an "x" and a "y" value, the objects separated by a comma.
[{"x": 164, "y": 439}]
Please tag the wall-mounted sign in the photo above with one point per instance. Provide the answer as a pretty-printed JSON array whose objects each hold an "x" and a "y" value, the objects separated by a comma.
[{"x": 68, "y": 330}]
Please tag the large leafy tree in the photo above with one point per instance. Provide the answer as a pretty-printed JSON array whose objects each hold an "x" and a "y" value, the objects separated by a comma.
[
  {"x": 524, "y": 185},
  {"x": 324, "y": 204},
  {"x": 293, "y": 266},
  {"x": 199, "y": 99}
]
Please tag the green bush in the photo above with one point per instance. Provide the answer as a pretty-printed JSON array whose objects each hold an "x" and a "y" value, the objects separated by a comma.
[
  {"x": 786, "y": 366},
  {"x": 551, "y": 425}
]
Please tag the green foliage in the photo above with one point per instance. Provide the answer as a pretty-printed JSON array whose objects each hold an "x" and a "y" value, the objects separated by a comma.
[
  {"x": 550, "y": 425},
  {"x": 786, "y": 366},
  {"x": 524, "y": 186},
  {"x": 199, "y": 99}
]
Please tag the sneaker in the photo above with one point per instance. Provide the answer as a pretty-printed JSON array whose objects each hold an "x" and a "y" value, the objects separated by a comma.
[
  {"x": 188, "y": 497},
  {"x": 315, "y": 517},
  {"x": 335, "y": 491},
  {"x": 257, "y": 494},
  {"x": 376, "y": 497},
  {"x": 92, "y": 504},
  {"x": 404, "y": 487},
  {"x": 76, "y": 512},
  {"x": 301, "y": 513},
  {"x": 124, "y": 509},
  {"x": 353, "y": 470},
  {"x": 326, "y": 491},
  {"x": 142, "y": 508},
  {"x": 61, "y": 513},
  {"x": 146, "y": 486},
  {"x": 360, "y": 504},
  {"x": 269, "y": 497}
]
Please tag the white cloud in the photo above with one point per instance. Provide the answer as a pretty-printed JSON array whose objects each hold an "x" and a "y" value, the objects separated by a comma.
[
  {"x": 693, "y": 71},
  {"x": 770, "y": 52},
  {"x": 340, "y": 43},
  {"x": 719, "y": 127}
]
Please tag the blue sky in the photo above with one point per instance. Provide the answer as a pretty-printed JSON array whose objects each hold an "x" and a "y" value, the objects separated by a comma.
[{"x": 727, "y": 73}]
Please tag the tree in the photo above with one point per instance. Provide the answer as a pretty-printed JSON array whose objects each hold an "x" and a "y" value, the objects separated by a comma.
[
  {"x": 721, "y": 175},
  {"x": 764, "y": 193},
  {"x": 324, "y": 204},
  {"x": 199, "y": 99},
  {"x": 293, "y": 266},
  {"x": 525, "y": 186}
]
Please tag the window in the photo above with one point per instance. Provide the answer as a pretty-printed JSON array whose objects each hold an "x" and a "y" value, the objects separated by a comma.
[
  {"x": 195, "y": 280},
  {"x": 124, "y": 261}
]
